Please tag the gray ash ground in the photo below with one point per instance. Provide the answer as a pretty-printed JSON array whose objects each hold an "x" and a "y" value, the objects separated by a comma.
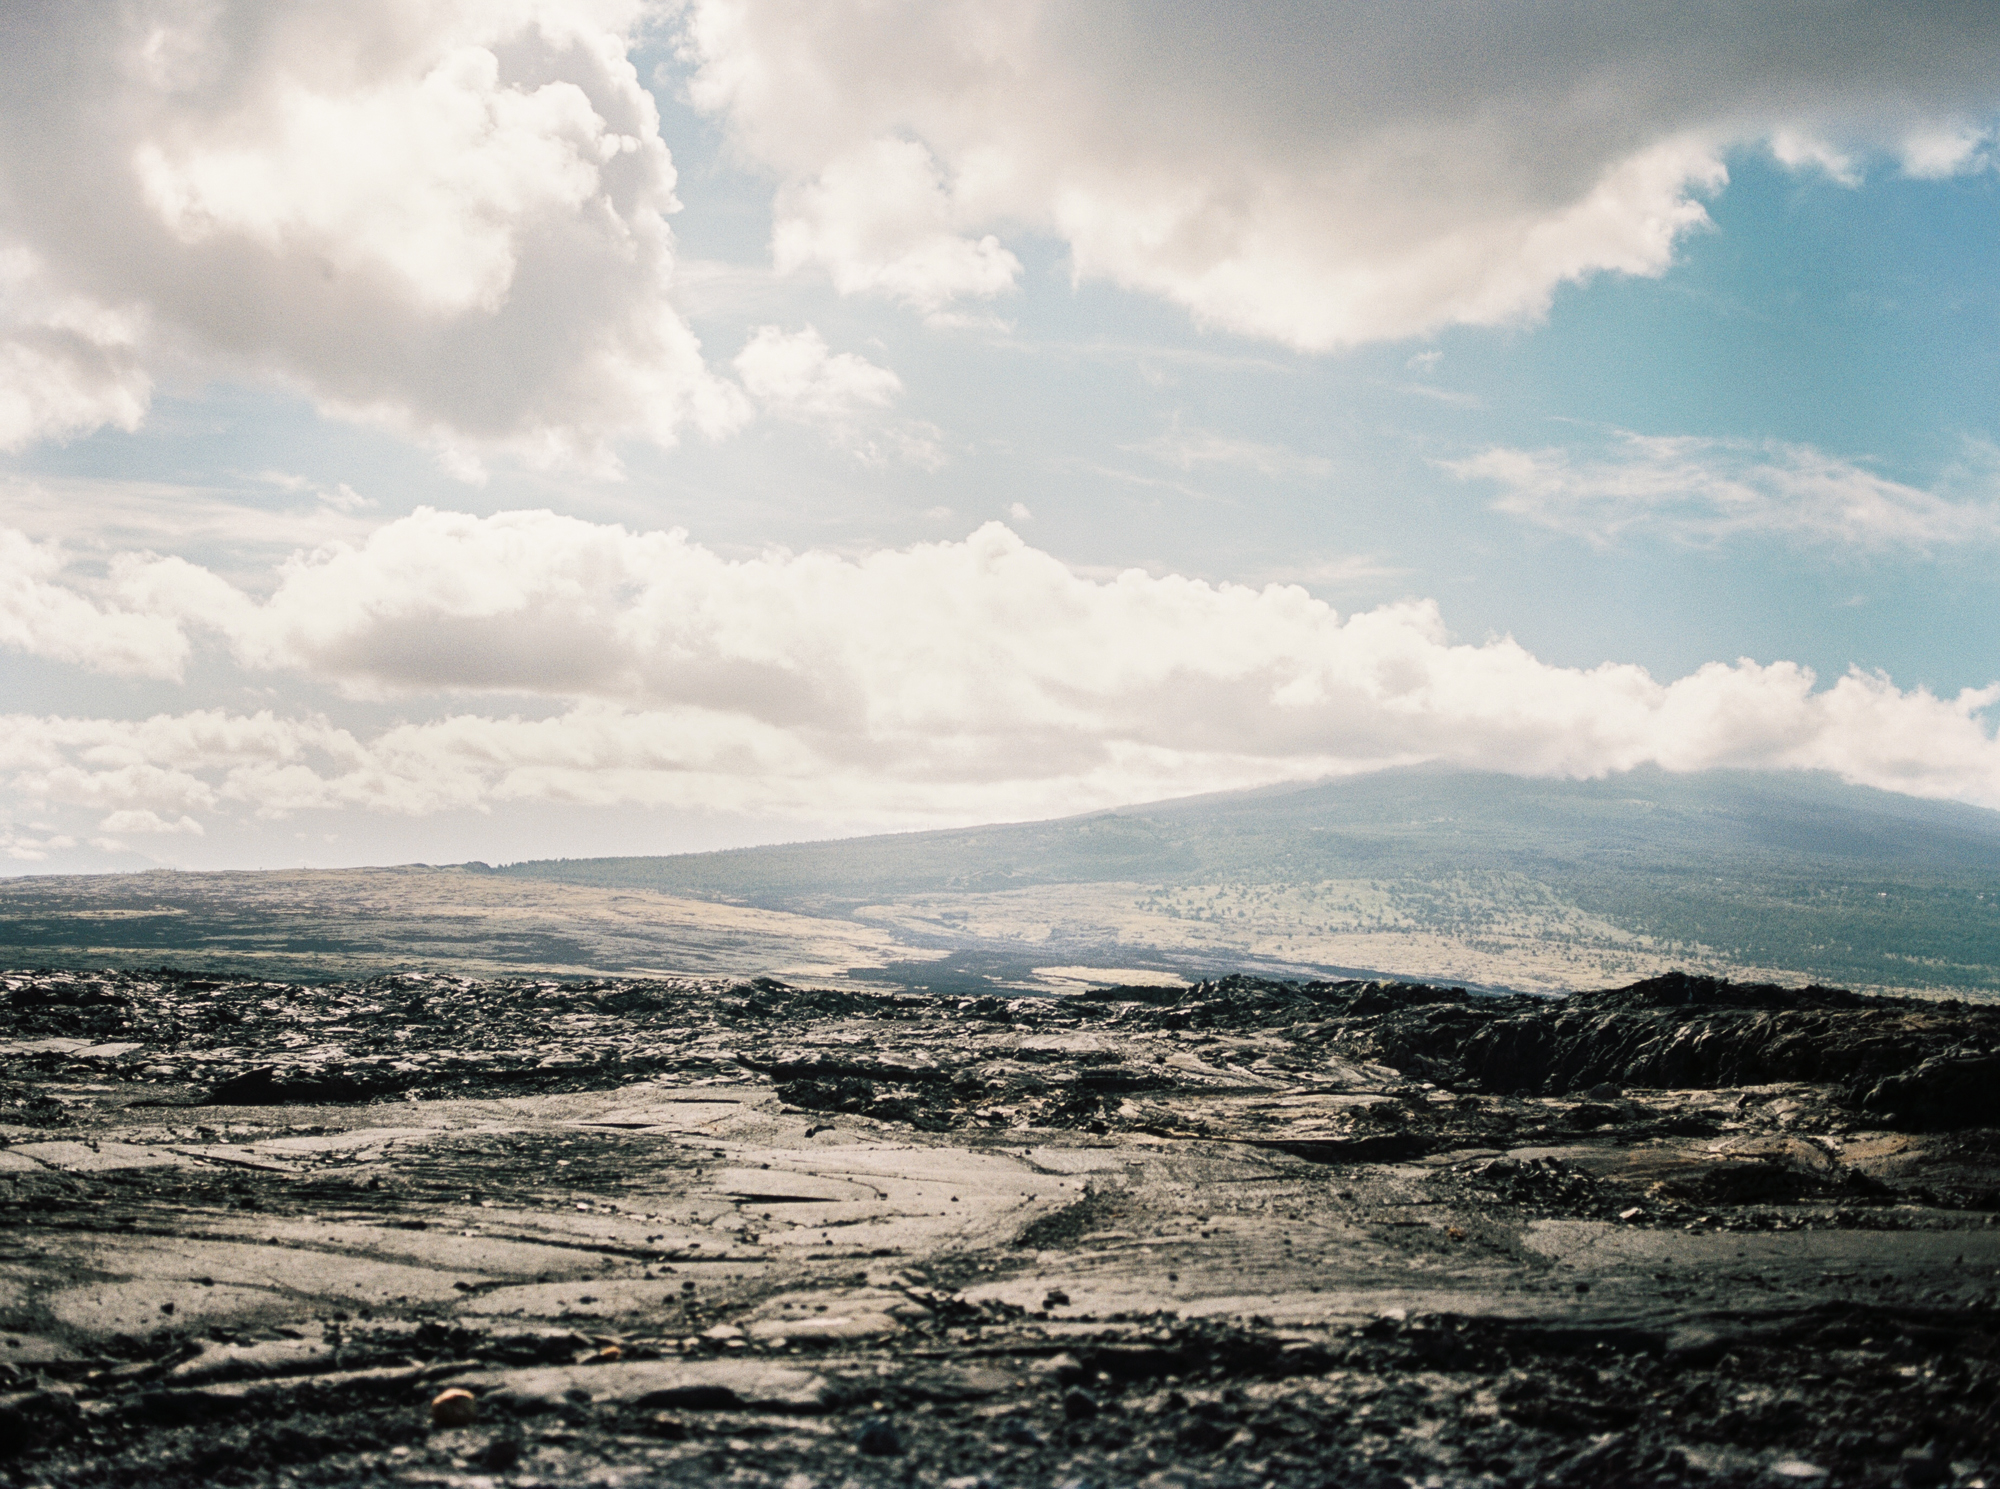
[{"x": 1248, "y": 1233}]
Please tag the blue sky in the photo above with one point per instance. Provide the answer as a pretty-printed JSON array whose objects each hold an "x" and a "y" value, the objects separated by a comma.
[{"x": 1523, "y": 410}]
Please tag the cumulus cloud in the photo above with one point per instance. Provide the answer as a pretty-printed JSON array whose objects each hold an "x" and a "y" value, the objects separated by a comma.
[
  {"x": 1706, "y": 490},
  {"x": 1936, "y": 151},
  {"x": 43, "y": 613},
  {"x": 794, "y": 375},
  {"x": 1319, "y": 174},
  {"x": 882, "y": 218},
  {"x": 449, "y": 218},
  {"x": 67, "y": 364},
  {"x": 947, "y": 681},
  {"x": 452, "y": 218},
  {"x": 796, "y": 372}
]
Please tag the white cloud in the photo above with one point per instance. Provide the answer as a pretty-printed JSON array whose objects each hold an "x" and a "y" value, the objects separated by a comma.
[
  {"x": 342, "y": 498},
  {"x": 67, "y": 364},
  {"x": 1706, "y": 490},
  {"x": 881, "y": 218},
  {"x": 1435, "y": 394},
  {"x": 1185, "y": 449},
  {"x": 946, "y": 681},
  {"x": 1799, "y": 151},
  {"x": 794, "y": 375},
  {"x": 452, "y": 219},
  {"x": 407, "y": 178},
  {"x": 448, "y": 218},
  {"x": 31, "y": 844},
  {"x": 960, "y": 320},
  {"x": 1317, "y": 173},
  {"x": 1338, "y": 572},
  {"x": 1938, "y": 151},
  {"x": 44, "y": 615},
  {"x": 84, "y": 515},
  {"x": 148, "y": 822}
]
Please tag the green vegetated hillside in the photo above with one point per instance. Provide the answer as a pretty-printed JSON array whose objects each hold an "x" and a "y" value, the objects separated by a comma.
[{"x": 1797, "y": 872}]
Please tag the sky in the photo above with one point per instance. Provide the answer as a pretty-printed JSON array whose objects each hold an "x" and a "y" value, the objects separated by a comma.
[{"x": 493, "y": 429}]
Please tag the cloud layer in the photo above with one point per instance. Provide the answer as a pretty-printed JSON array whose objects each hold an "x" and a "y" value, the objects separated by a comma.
[
  {"x": 451, "y": 218},
  {"x": 1317, "y": 173},
  {"x": 448, "y": 217},
  {"x": 550, "y": 659},
  {"x": 1706, "y": 490}
]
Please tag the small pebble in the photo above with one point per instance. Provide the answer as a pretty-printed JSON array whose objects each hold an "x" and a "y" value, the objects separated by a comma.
[{"x": 454, "y": 1408}]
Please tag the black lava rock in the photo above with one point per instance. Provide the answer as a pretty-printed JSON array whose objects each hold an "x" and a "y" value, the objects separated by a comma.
[
  {"x": 879, "y": 1438},
  {"x": 1079, "y": 1406}
]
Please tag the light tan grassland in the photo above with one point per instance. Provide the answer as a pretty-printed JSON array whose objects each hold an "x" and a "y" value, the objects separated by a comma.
[{"x": 344, "y": 922}]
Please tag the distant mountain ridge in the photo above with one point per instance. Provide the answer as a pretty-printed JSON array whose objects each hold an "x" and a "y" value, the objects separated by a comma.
[
  {"x": 1482, "y": 813},
  {"x": 1776, "y": 872}
]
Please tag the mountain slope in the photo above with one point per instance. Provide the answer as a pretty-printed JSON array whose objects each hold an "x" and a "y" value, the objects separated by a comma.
[{"x": 1488, "y": 878}]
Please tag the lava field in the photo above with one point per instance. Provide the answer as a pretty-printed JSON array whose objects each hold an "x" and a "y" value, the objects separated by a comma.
[{"x": 443, "y": 1231}]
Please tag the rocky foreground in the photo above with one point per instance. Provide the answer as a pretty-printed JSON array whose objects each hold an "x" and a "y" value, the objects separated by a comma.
[{"x": 440, "y": 1231}]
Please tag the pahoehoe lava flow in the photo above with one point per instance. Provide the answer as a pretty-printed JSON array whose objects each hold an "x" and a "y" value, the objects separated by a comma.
[{"x": 1247, "y": 1232}]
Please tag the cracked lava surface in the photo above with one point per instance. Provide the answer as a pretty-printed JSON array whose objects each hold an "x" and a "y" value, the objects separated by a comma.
[{"x": 1248, "y": 1233}]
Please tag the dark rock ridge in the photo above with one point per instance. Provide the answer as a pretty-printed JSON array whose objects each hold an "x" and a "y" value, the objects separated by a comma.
[
  {"x": 1905, "y": 1063},
  {"x": 1902, "y": 1061}
]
